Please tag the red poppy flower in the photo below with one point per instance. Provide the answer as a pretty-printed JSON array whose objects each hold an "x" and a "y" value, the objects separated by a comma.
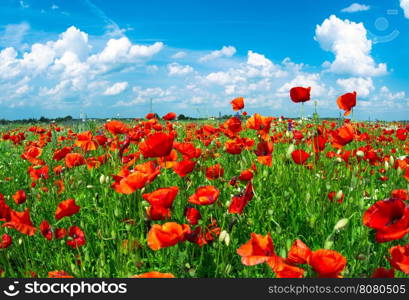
[
  {"x": 234, "y": 146},
  {"x": 260, "y": 123},
  {"x": 154, "y": 274},
  {"x": 169, "y": 116},
  {"x": 184, "y": 167},
  {"x": 240, "y": 201},
  {"x": 205, "y": 195},
  {"x": 60, "y": 233},
  {"x": 162, "y": 197},
  {"x": 233, "y": 125},
  {"x": 299, "y": 253},
  {"x": 300, "y": 94},
  {"x": 21, "y": 222},
  {"x": 342, "y": 136},
  {"x": 59, "y": 274},
  {"x": 246, "y": 175},
  {"x": 60, "y": 186},
  {"x": 149, "y": 168},
  {"x": 284, "y": 270},
  {"x": 116, "y": 127},
  {"x": 166, "y": 235},
  {"x": 66, "y": 208},
  {"x": 6, "y": 241},
  {"x": 203, "y": 236},
  {"x": 188, "y": 150},
  {"x": 5, "y": 211},
  {"x": 214, "y": 172},
  {"x": 127, "y": 182},
  {"x": 77, "y": 237},
  {"x": 59, "y": 154},
  {"x": 383, "y": 273},
  {"x": 390, "y": 219},
  {"x": 237, "y": 103},
  {"x": 259, "y": 249},
  {"x": 86, "y": 141},
  {"x": 38, "y": 173},
  {"x": 31, "y": 154},
  {"x": 300, "y": 156},
  {"x": 45, "y": 230},
  {"x": 327, "y": 263},
  {"x": 58, "y": 170},
  {"x": 150, "y": 116},
  {"x": 158, "y": 213},
  {"x": 400, "y": 258},
  {"x": 74, "y": 160},
  {"x": 20, "y": 197},
  {"x": 157, "y": 145},
  {"x": 192, "y": 215},
  {"x": 400, "y": 194},
  {"x": 347, "y": 102}
]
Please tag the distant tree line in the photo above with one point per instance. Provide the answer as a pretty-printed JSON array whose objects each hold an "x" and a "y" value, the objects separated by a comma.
[{"x": 34, "y": 120}]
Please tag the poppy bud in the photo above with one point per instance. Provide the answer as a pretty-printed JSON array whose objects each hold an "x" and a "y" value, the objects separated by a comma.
[
  {"x": 399, "y": 171},
  {"x": 386, "y": 165},
  {"x": 328, "y": 244},
  {"x": 338, "y": 160},
  {"x": 339, "y": 195},
  {"x": 102, "y": 179},
  {"x": 391, "y": 160},
  {"x": 341, "y": 224},
  {"x": 290, "y": 150},
  {"x": 224, "y": 237},
  {"x": 90, "y": 186},
  {"x": 360, "y": 153}
]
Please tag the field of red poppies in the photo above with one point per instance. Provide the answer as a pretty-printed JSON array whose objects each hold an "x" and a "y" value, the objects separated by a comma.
[{"x": 251, "y": 196}]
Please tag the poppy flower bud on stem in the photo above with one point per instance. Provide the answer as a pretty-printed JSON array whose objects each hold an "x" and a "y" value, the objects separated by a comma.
[
  {"x": 339, "y": 195},
  {"x": 290, "y": 150},
  {"x": 341, "y": 224},
  {"x": 328, "y": 244},
  {"x": 360, "y": 153},
  {"x": 399, "y": 171},
  {"x": 102, "y": 179}
]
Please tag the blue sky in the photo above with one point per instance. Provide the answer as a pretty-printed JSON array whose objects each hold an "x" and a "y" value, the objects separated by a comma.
[{"x": 109, "y": 58}]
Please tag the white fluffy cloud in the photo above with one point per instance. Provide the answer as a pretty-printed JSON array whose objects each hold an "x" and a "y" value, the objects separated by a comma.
[
  {"x": 179, "y": 54},
  {"x": 116, "y": 89},
  {"x": 404, "y": 4},
  {"x": 356, "y": 7},
  {"x": 386, "y": 94},
  {"x": 351, "y": 47},
  {"x": 175, "y": 69},
  {"x": 363, "y": 86},
  {"x": 226, "y": 51},
  {"x": 66, "y": 68},
  {"x": 312, "y": 80},
  {"x": 122, "y": 51}
]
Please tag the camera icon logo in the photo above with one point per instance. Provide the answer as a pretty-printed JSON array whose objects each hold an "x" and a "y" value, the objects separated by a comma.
[
  {"x": 382, "y": 24},
  {"x": 12, "y": 291}
]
